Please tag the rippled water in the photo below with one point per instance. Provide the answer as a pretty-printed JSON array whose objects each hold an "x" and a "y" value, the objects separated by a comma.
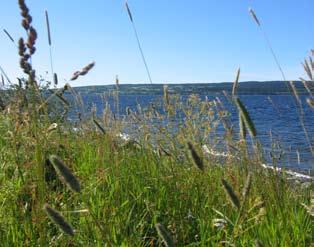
[{"x": 275, "y": 115}]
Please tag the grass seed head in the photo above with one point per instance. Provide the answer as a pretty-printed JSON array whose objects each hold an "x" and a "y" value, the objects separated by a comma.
[
  {"x": 65, "y": 173},
  {"x": 254, "y": 16},
  {"x": 198, "y": 161},
  {"x": 48, "y": 27},
  {"x": 258, "y": 243},
  {"x": 231, "y": 194},
  {"x": 246, "y": 117},
  {"x": 164, "y": 235},
  {"x": 82, "y": 72},
  {"x": 55, "y": 79},
  {"x": 242, "y": 128},
  {"x": 117, "y": 82},
  {"x": 129, "y": 11},
  {"x": 59, "y": 220},
  {"x": 102, "y": 130},
  {"x": 25, "y": 24},
  {"x": 247, "y": 186},
  {"x": 236, "y": 83},
  {"x": 21, "y": 46}
]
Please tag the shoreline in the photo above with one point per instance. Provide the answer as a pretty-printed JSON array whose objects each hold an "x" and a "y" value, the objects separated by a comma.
[{"x": 207, "y": 151}]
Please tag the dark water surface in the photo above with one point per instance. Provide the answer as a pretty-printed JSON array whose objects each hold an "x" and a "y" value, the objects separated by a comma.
[{"x": 271, "y": 107}]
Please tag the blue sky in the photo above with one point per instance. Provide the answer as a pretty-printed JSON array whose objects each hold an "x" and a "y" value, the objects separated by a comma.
[{"x": 184, "y": 41}]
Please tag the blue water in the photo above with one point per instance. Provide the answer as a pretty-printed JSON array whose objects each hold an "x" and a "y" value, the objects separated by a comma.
[{"x": 274, "y": 115}]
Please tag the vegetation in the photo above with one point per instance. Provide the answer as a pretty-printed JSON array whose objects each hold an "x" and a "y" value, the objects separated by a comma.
[{"x": 93, "y": 186}]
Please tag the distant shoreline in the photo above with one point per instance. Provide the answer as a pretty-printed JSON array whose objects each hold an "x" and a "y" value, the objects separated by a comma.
[{"x": 245, "y": 88}]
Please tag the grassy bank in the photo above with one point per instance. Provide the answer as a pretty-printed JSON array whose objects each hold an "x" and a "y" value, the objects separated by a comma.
[{"x": 126, "y": 191}]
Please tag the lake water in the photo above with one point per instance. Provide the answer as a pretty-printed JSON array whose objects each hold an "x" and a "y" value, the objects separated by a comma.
[{"x": 272, "y": 109}]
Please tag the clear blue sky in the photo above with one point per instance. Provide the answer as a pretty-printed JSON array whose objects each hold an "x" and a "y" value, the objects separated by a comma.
[{"x": 183, "y": 40}]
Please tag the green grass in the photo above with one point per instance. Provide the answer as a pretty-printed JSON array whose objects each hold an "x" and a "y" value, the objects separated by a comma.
[{"x": 129, "y": 190}]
